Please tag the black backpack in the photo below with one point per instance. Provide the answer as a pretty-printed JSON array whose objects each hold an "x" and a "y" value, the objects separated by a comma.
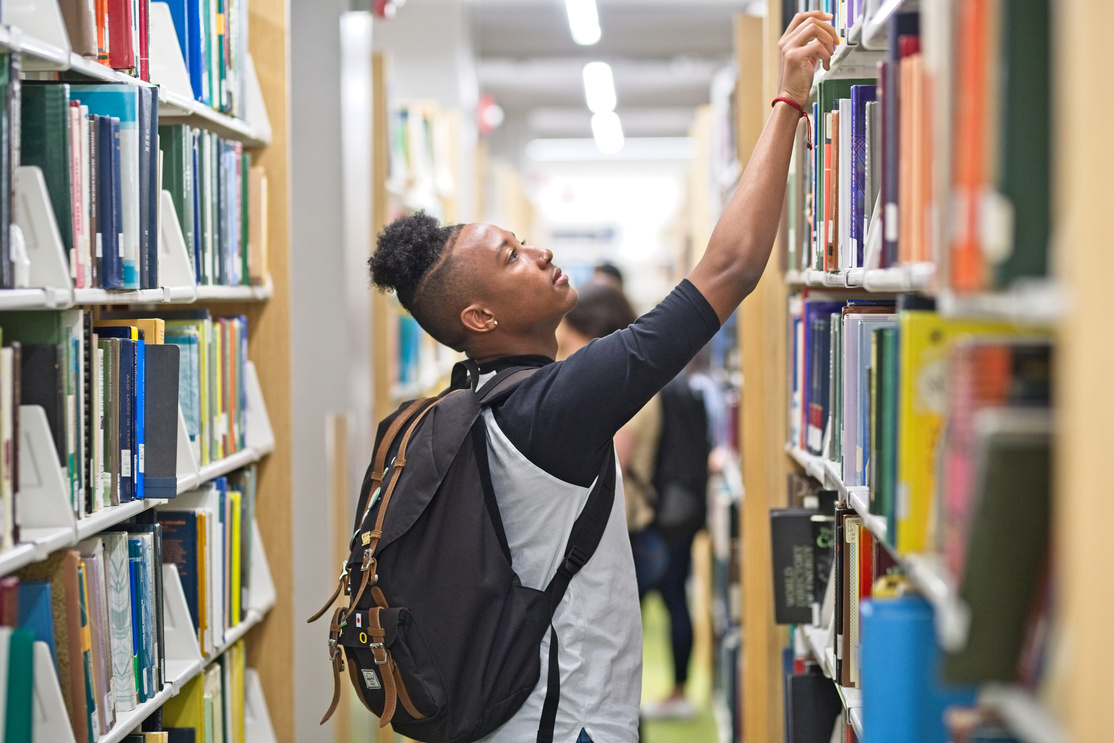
[
  {"x": 441, "y": 638},
  {"x": 681, "y": 467}
]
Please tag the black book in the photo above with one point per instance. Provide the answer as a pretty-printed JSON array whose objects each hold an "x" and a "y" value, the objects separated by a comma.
[
  {"x": 41, "y": 369},
  {"x": 814, "y": 705},
  {"x": 161, "y": 420}
]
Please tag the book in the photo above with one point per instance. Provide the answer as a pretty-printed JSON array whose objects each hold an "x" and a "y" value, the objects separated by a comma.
[
  {"x": 45, "y": 143},
  {"x": 161, "y": 383},
  {"x": 93, "y": 559},
  {"x": 812, "y": 707},
  {"x": 860, "y": 146},
  {"x": 10, "y": 393},
  {"x": 89, "y": 675},
  {"x": 1003, "y": 567},
  {"x": 121, "y": 54},
  {"x": 151, "y": 532},
  {"x": 20, "y": 707},
  {"x": 120, "y": 102},
  {"x": 793, "y": 563},
  {"x": 61, "y": 570},
  {"x": 36, "y": 612},
  {"x": 9, "y": 601},
  {"x": 119, "y": 584}
]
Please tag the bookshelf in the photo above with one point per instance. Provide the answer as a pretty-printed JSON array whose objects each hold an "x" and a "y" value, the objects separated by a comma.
[
  {"x": 35, "y": 32},
  {"x": 1047, "y": 304}
]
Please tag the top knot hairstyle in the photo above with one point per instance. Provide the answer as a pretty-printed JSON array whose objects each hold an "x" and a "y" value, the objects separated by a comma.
[{"x": 413, "y": 258}]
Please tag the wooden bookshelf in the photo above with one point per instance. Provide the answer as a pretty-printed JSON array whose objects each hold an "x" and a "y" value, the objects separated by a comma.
[{"x": 1072, "y": 702}]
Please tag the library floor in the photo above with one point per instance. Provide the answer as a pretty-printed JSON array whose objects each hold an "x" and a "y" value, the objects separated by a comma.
[{"x": 657, "y": 682}]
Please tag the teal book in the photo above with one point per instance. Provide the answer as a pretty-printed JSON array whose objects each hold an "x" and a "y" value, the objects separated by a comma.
[
  {"x": 45, "y": 143},
  {"x": 176, "y": 144},
  {"x": 19, "y": 716},
  {"x": 139, "y": 659},
  {"x": 121, "y": 101},
  {"x": 35, "y": 612}
]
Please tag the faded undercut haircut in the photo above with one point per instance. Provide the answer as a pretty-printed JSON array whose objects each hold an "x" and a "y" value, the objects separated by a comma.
[{"x": 413, "y": 258}]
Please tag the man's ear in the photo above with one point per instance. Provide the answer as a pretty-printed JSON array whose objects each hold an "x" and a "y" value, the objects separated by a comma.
[{"x": 478, "y": 318}]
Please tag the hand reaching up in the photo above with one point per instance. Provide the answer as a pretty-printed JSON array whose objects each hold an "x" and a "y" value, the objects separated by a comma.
[{"x": 809, "y": 40}]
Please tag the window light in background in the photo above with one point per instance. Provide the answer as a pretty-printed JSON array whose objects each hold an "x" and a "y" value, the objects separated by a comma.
[
  {"x": 584, "y": 21},
  {"x": 599, "y": 87},
  {"x": 607, "y": 131}
]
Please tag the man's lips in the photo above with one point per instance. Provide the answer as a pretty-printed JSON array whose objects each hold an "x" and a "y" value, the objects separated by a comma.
[{"x": 559, "y": 278}]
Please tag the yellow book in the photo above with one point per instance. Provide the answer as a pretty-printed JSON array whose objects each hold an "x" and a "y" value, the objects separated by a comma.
[
  {"x": 187, "y": 709},
  {"x": 236, "y": 498},
  {"x": 925, "y": 343},
  {"x": 154, "y": 328},
  {"x": 217, "y": 405},
  {"x": 204, "y": 635}
]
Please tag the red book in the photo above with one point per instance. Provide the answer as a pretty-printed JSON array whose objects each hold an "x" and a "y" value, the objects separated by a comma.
[
  {"x": 826, "y": 217},
  {"x": 9, "y": 601},
  {"x": 120, "y": 52},
  {"x": 144, "y": 40}
]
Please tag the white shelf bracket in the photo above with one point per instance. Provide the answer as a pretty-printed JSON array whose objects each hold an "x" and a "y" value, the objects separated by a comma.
[
  {"x": 189, "y": 474},
  {"x": 168, "y": 68},
  {"x": 176, "y": 274},
  {"x": 43, "y": 497},
  {"x": 51, "y": 722},
  {"x": 257, "y": 720},
  {"x": 259, "y": 435},
  {"x": 49, "y": 266},
  {"x": 262, "y": 595},
  {"x": 41, "y": 21},
  {"x": 255, "y": 110},
  {"x": 182, "y": 649}
]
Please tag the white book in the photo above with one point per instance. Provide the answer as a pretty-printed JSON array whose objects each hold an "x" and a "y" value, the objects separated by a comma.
[
  {"x": 86, "y": 205},
  {"x": 5, "y": 648},
  {"x": 847, "y": 252},
  {"x": 120, "y": 618}
]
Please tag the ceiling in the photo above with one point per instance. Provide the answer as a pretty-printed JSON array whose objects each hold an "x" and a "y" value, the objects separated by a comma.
[{"x": 663, "y": 54}]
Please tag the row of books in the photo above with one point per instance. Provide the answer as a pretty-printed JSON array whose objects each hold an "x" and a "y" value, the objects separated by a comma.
[
  {"x": 111, "y": 387},
  {"x": 210, "y": 708},
  {"x": 101, "y": 151},
  {"x": 221, "y": 204},
  {"x": 208, "y": 534},
  {"x": 892, "y": 394},
  {"x": 212, "y": 37},
  {"x": 859, "y": 620},
  {"x": 926, "y": 152},
  {"x": 420, "y": 156},
  {"x": 97, "y": 607}
]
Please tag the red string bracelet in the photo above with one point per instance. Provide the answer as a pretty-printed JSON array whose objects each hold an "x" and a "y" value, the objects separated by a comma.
[{"x": 794, "y": 104}]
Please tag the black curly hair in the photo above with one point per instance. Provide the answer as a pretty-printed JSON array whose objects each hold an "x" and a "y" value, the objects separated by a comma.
[{"x": 413, "y": 258}]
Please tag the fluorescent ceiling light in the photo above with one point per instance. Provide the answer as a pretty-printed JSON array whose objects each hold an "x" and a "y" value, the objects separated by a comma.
[
  {"x": 584, "y": 21},
  {"x": 599, "y": 87},
  {"x": 608, "y": 132}
]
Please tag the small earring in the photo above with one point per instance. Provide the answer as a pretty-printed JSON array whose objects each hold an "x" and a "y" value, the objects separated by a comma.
[{"x": 495, "y": 323}]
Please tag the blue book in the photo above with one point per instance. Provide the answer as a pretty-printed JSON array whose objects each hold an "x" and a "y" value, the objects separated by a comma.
[
  {"x": 183, "y": 24},
  {"x": 108, "y": 232},
  {"x": 130, "y": 398},
  {"x": 139, "y": 631},
  {"x": 196, "y": 60},
  {"x": 860, "y": 96},
  {"x": 35, "y": 612},
  {"x": 903, "y": 696},
  {"x": 180, "y": 545},
  {"x": 121, "y": 102}
]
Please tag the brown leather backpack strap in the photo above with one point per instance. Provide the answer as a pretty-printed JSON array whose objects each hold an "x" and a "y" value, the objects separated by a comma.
[
  {"x": 337, "y": 658},
  {"x": 342, "y": 586},
  {"x": 403, "y": 695},
  {"x": 382, "y": 658},
  {"x": 379, "y": 463}
]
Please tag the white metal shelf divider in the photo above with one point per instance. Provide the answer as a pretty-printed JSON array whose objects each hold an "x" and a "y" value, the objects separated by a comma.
[
  {"x": 1024, "y": 714},
  {"x": 876, "y": 30},
  {"x": 257, "y": 720}
]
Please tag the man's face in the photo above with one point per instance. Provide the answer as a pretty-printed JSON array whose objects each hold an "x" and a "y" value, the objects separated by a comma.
[{"x": 519, "y": 283}]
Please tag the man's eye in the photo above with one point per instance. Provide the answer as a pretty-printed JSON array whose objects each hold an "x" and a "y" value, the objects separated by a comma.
[{"x": 514, "y": 255}]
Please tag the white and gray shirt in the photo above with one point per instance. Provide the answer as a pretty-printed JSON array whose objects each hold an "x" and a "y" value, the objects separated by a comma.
[{"x": 546, "y": 444}]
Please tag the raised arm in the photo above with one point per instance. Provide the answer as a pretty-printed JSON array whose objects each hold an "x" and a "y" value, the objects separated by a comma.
[{"x": 741, "y": 241}]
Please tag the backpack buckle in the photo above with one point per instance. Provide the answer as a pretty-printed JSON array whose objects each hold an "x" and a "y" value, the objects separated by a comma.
[
  {"x": 377, "y": 649},
  {"x": 576, "y": 559}
]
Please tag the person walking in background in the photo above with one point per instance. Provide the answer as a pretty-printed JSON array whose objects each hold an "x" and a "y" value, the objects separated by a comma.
[{"x": 602, "y": 310}]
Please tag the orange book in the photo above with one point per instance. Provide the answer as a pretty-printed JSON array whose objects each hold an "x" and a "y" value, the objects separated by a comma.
[
  {"x": 101, "y": 11},
  {"x": 907, "y": 158},
  {"x": 969, "y": 166}
]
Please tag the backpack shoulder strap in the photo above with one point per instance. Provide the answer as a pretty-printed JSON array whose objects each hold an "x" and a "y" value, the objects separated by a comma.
[
  {"x": 587, "y": 531},
  {"x": 503, "y": 384}
]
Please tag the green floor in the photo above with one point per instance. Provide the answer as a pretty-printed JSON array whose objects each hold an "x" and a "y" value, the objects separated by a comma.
[{"x": 657, "y": 682}]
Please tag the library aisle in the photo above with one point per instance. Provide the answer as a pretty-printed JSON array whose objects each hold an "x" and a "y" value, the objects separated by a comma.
[{"x": 902, "y": 535}]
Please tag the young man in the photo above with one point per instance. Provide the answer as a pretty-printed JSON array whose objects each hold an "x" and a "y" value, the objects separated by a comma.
[{"x": 478, "y": 289}]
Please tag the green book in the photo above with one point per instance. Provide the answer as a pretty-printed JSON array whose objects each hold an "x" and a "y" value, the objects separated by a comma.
[
  {"x": 1008, "y": 541},
  {"x": 1024, "y": 149},
  {"x": 19, "y": 716},
  {"x": 176, "y": 144},
  {"x": 45, "y": 142},
  {"x": 883, "y": 432},
  {"x": 245, "y": 224}
]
